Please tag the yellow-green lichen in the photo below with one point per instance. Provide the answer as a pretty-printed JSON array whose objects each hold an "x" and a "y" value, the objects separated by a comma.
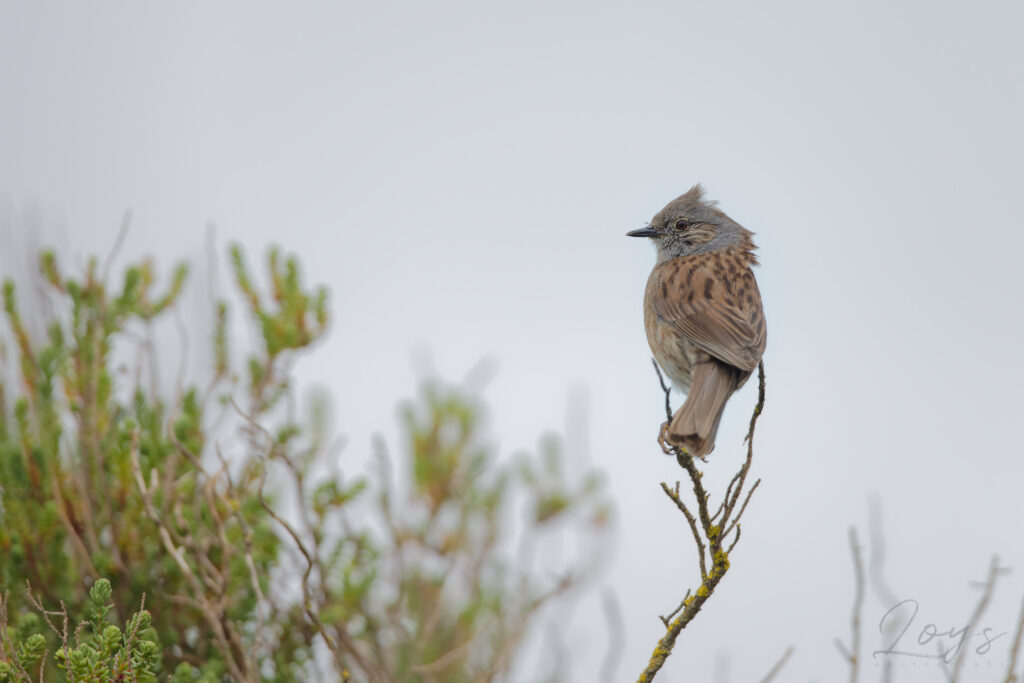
[{"x": 721, "y": 559}]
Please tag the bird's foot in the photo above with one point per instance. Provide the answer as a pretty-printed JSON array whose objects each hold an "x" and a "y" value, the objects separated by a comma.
[
  {"x": 669, "y": 448},
  {"x": 665, "y": 448}
]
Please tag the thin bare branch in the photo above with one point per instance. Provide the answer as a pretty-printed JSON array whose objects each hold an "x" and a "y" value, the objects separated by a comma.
[
  {"x": 736, "y": 519},
  {"x": 735, "y": 540},
  {"x": 760, "y": 402},
  {"x": 852, "y": 654},
  {"x": 701, "y": 549},
  {"x": 774, "y": 671},
  {"x": 312, "y": 561},
  {"x": 1011, "y": 676},
  {"x": 210, "y": 611},
  {"x": 250, "y": 562},
  {"x": 876, "y": 576},
  {"x": 682, "y": 603},
  {"x": 728, "y": 495},
  {"x": 986, "y": 596},
  {"x": 665, "y": 388},
  {"x": 730, "y": 504},
  {"x": 8, "y": 650},
  {"x": 307, "y": 597}
]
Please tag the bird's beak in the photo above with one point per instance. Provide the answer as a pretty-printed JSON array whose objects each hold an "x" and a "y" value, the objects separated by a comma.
[{"x": 647, "y": 231}]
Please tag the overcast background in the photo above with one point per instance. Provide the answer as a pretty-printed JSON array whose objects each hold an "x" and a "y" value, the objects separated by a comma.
[{"x": 461, "y": 175}]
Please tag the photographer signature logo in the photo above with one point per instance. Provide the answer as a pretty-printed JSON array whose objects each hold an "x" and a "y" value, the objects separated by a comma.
[{"x": 929, "y": 641}]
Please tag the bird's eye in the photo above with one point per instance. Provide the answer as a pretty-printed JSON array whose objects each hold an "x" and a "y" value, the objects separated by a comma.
[{"x": 682, "y": 224}]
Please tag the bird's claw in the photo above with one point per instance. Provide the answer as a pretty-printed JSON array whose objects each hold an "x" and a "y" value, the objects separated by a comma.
[
  {"x": 672, "y": 449},
  {"x": 666, "y": 449}
]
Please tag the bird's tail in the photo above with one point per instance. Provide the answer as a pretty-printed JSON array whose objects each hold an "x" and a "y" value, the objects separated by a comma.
[{"x": 695, "y": 424}]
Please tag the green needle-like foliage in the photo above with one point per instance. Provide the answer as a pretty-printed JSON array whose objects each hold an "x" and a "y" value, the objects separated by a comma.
[{"x": 206, "y": 535}]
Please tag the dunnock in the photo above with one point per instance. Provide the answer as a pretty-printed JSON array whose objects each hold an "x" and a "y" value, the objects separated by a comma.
[{"x": 702, "y": 313}]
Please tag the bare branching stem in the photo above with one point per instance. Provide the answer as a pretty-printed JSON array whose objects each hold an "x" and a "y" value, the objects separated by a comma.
[
  {"x": 710, "y": 532},
  {"x": 701, "y": 548},
  {"x": 309, "y": 600},
  {"x": 674, "y": 612},
  {"x": 210, "y": 606}
]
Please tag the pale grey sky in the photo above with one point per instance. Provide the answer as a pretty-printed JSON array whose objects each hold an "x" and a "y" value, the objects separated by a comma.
[{"x": 461, "y": 174}]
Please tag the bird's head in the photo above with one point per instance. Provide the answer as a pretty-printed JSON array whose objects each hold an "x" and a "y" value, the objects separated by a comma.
[{"x": 690, "y": 224}]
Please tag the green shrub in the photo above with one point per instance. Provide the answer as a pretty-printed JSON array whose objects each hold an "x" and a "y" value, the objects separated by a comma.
[{"x": 211, "y": 507}]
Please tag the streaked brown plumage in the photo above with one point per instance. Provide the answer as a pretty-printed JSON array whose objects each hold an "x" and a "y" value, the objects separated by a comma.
[{"x": 702, "y": 312}]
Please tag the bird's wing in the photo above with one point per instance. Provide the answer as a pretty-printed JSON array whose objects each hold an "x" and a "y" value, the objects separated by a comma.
[{"x": 726, "y": 320}]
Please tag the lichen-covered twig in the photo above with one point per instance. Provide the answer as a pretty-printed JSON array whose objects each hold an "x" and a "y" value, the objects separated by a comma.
[{"x": 710, "y": 531}]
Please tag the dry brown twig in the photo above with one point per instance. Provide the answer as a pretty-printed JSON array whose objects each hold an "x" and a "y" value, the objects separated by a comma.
[
  {"x": 338, "y": 641},
  {"x": 199, "y": 578},
  {"x": 62, "y": 632},
  {"x": 250, "y": 562},
  {"x": 710, "y": 531},
  {"x": 8, "y": 648}
]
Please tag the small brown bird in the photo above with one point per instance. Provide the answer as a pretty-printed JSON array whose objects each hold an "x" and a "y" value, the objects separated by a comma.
[{"x": 702, "y": 313}]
